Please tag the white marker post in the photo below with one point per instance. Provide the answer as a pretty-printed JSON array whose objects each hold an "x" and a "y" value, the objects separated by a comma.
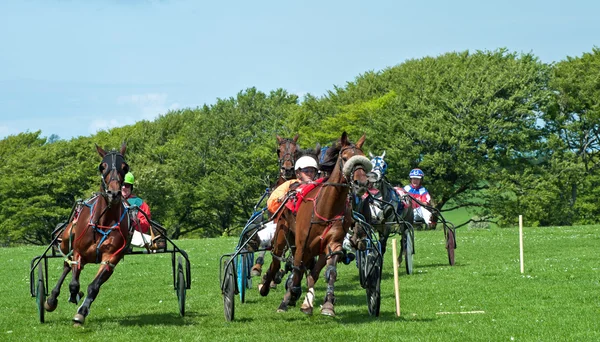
[
  {"x": 521, "y": 243},
  {"x": 396, "y": 285}
]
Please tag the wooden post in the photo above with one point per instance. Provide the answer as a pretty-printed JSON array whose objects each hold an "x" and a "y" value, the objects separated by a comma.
[
  {"x": 396, "y": 285},
  {"x": 521, "y": 243}
]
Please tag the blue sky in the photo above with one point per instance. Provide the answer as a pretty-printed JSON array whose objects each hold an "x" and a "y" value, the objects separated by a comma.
[{"x": 72, "y": 68}]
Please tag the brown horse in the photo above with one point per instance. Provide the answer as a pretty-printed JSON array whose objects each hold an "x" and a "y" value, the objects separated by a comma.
[
  {"x": 287, "y": 153},
  {"x": 98, "y": 233},
  {"x": 323, "y": 219}
]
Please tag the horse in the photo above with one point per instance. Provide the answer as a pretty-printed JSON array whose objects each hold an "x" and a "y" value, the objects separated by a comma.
[
  {"x": 287, "y": 154},
  {"x": 384, "y": 206},
  {"x": 98, "y": 232},
  {"x": 319, "y": 227}
]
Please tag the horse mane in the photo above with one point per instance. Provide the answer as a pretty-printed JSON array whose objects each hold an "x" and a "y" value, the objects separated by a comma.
[
  {"x": 311, "y": 152},
  {"x": 329, "y": 159}
]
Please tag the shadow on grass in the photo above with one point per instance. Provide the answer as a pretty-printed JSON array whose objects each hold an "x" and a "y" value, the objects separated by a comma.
[
  {"x": 442, "y": 265},
  {"x": 362, "y": 317},
  {"x": 173, "y": 319}
]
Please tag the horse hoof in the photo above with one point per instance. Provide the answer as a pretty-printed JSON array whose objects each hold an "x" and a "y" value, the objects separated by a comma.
[
  {"x": 77, "y": 298},
  {"x": 273, "y": 285},
  {"x": 263, "y": 290},
  {"x": 306, "y": 310},
  {"x": 49, "y": 307},
  {"x": 327, "y": 310},
  {"x": 78, "y": 320},
  {"x": 255, "y": 272},
  {"x": 282, "y": 308}
]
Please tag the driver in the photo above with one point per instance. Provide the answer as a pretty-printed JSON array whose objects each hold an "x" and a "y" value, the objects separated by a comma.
[{"x": 417, "y": 191}]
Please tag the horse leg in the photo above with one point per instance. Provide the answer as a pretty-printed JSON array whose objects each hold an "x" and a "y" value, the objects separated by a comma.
[
  {"x": 52, "y": 300},
  {"x": 311, "y": 279},
  {"x": 294, "y": 290},
  {"x": 257, "y": 268},
  {"x": 104, "y": 273},
  {"x": 74, "y": 286},
  {"x": 330, "y": 276},
  {"x": 383, "y": 241},
  {"x": 277, "y": 252}
]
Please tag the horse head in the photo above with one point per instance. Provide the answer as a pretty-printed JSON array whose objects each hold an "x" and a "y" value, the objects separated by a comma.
[
  {"x": 113, "y": 169},
  {"x": 379, "y": 169},
  {"x": 353, "y": 164},
  {"x": 287, "y": 153}
]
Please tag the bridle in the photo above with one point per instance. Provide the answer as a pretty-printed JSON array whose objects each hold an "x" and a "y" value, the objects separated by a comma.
[
  {"x": 117, "y": 168},
  {"x": 288, "y": 155}
]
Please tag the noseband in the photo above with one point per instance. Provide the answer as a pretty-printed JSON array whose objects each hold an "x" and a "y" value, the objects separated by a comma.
[
  {"x": 287, "y": 156},
  {"x": 115, "y": 165}
]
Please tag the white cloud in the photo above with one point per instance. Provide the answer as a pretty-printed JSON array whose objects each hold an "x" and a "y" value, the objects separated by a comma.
[
  {"x": 106, "y": 124},
  {"x": 134, "y": 108},
  {"x": 147, "y": 106}
]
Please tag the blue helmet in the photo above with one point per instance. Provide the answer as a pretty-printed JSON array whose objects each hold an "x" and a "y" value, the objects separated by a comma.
[{"x": 416, "y": 173}]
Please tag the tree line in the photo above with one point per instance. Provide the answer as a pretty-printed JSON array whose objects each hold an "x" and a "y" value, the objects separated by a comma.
[{"x": 498, "y": 132}]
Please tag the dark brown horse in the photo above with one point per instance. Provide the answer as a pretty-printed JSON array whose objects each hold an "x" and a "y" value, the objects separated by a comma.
[
  {"x": 323, "y": 219},
  {"x": 98, "y": 233},
  {"x": 287, "y": 153}
]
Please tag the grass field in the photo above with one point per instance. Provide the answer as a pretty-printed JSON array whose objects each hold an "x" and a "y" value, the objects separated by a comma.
[{"x": 556, "y": 299}]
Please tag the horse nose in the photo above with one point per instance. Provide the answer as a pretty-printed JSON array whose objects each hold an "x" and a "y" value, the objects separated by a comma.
[
  {"x": 360, "y": 187},
  {"x": 114, "y": 194},
  {"x": 372, "y": 177}
]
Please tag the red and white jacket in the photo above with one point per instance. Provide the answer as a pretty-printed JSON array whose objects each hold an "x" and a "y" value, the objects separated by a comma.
[{"x": 420, "y": 193}]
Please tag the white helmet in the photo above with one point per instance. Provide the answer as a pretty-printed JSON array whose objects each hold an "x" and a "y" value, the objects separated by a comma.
[{"x": 306, "y": 161}]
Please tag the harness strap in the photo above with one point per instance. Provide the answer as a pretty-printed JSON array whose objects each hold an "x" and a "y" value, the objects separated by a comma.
[{"x": 108, "y": 265}]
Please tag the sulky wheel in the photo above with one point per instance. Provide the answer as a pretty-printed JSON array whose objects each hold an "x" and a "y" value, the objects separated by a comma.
[
  {"x": 242, "y": 275},
  {"x": 228, "y": 288},
  {"x": 181, "y": 287},
  {"x": 361, "y": 264},
  {"x": 409, "y": 248},
  {"x": 40, "y": 291},
  {"x": 450, "y": 245},
  {"x": 373, "y": 282}
]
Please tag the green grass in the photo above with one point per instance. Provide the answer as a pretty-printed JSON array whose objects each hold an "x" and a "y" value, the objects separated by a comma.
[{"x": 556, "y": 299}]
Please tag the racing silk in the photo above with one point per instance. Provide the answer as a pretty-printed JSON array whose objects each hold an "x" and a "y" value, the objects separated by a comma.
[
  {"x": 301, "y": 191},
  {"x": 421, "y": 194},
  {"x": 140, "y": 223},
  {"x": 278, "y": 195}
]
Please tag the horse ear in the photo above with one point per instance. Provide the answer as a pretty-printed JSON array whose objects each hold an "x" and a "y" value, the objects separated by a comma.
[
  {"x": 344, "y": 139},
  {"x": 318, "y": 150},
  {"x": 296, "y": 137},
  {"x": 383, "y": 155},
  {"x": 123, "y": 148},
  {"x": 101, "y": 168},
  {"x": 361, "y": 141},
  {"x": 125, "y": 167},
  {"x": 279, "y": 139},
  {"x": 371, "y": 155},
  {"x": 100, "y": 151}
]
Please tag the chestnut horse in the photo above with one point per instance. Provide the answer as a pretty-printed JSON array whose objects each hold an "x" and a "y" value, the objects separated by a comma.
[
  {"x": 98, "y": 233},
  {"x": 318, "y": 229}
]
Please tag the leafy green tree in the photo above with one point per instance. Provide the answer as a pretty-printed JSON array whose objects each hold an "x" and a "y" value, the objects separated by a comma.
[{"x": 573, "y": 117}]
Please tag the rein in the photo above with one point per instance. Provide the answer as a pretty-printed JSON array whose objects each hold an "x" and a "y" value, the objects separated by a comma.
[{"x": 103, "y": 230}]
